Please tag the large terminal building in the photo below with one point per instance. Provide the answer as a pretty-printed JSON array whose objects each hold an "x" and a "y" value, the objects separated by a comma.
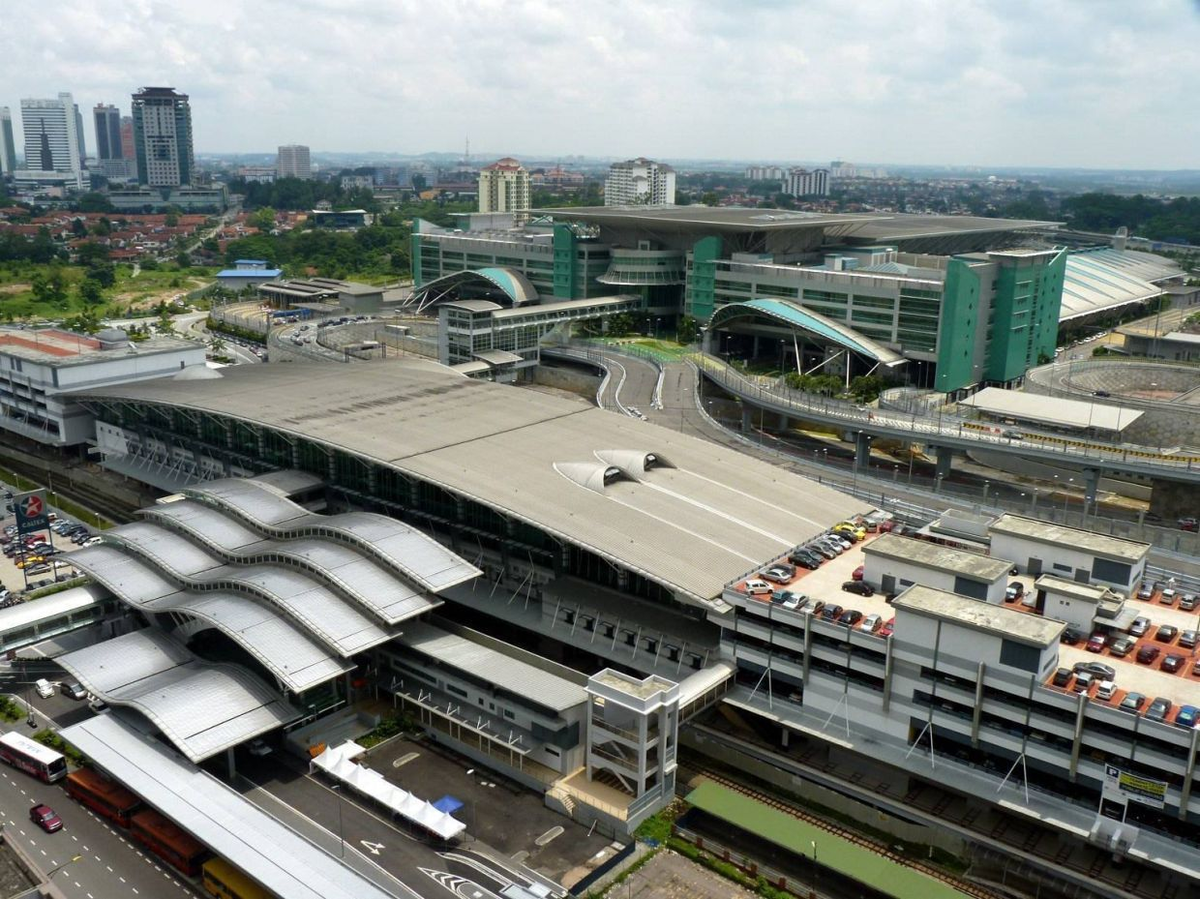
[
  {"x": 587, "y": 586},
  {"x": 957, "y": 301}
]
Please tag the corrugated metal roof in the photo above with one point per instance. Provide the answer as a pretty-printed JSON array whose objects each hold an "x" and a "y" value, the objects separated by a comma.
[
  {"x": 517, "y": 677},
  {"x": 235, "y": 828},
  {"x": 1052, "y": 410},
  {"x": 201, "y": 707},
  {"x": 25, "y": 614},
  {"x": 720, "y": 512},
  {"x": 1105, "y": 278}
]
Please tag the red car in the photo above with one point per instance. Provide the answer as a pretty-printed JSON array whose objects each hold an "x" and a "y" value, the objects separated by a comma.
[
  {"x": 1096, "y": 643},
  {"x": 46, "y": 818},
  {"x": 888, "y": 627},
  {"x": 857, "y": 573}
]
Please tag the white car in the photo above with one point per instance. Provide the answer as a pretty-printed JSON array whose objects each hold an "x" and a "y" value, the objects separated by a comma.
[
  {"x": 44, "y": 688},
  {"x": 871, "y": 623},
  {"x": 1106, "y": 690}
]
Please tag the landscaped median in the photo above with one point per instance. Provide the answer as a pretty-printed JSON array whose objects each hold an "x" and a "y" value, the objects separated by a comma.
[{"x": 834, "y": 852}]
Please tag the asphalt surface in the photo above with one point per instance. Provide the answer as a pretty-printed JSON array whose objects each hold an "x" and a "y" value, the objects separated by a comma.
[{"x": 98, "y": 860}]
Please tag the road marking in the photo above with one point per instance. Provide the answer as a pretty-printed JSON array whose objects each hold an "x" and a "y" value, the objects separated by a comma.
[
  {"x": 555, "y": 831},
  {"x": 96, "y": 857},
  {"x": 120, "y": 878},
  {"x": 373, "y": 848},
  {"x": 42, "y": 851},
  {"x": 73, "y": 837},
  {"x": 110, "y": 870},
  {"x": 405, "y": 759}
]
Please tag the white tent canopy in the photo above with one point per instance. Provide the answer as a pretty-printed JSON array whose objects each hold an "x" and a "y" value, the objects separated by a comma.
[{"x": 336, "y": 761}]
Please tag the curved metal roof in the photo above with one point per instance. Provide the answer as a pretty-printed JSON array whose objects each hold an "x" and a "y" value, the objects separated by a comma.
[
  {"x": 202, "y": 708},
  {"x": 293, "y": 655},
  {"x": 418, "y": 557},
  {"x": 1100, "y": 279},
  {"x": 811, "y": 322},
  {"x": 512, "y": 284},
  {"x": 347, "y": 569}
]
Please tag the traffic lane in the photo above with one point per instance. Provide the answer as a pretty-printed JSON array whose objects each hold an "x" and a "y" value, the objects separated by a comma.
[
  {"x": 401, "y": 854},
  {"x": 110, "y": 866}
]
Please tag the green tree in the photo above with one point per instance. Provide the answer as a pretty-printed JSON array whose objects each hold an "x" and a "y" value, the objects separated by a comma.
[
  {"x": 183, "y": 259},
  {"x": 263, "y": 220},
  {"x": 688, "y": 329},
  {"x": 93, "y": 202},
  {"x": 91, "y": 292},
  {"x": 91, "y": 253},
  {"x": 172, "y": 219}
]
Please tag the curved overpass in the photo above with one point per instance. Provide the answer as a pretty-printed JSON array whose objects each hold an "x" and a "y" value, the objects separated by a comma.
[{"x": 948, "y": 433}]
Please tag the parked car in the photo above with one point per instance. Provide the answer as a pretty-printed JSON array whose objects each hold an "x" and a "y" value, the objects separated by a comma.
[
  {"x": 871, "y": 623},
  {"x": 1140, "y": 625},
  {"x": 855, "y": 531},
  {"x": 1187, "y": 716},
  {"x": 74, "y": 689},
  {"x": 1083, "y": 682},
  {"x": 861, "y": 588},
  {"x": 805, "y": 559},
  {"x": 1166, "y": 633},
  {"x": 1147, "y": 654},
  {"x": 1160, "y": 708},
  {"x": 1107, "y": 690},
  {"x": 850, "y": 617},
  {"x": 1187, "y": 639},
  {"x": 1121, "y": 647},
  {"x": 758, "y": 587},
  {"x": 1189, "y": 524},
  {"x": 888, "y": 628},
  {"x": 1167, "y": 597},
  {"x": 44, "y": 688},
  {"x": 1096, "y": 669},
  {"x": 857, "y": 573},
  {"x": 1173, "y": 662},
  {"x": 776, "y": 575},
  {"x": 1188, "y": 602},
  {"x": 1062, "y": 677},
  {"x": 46, "y": 818},
  {"x": 1071, "y": 635},
  {"x": 795, "y": 603},
  {"x": 821, "y": 550},
  {"x": 1096, "y": 642},
  {"x": 832, "y": 612},
  {"x": 1133, "y": 702},
  {"x": 1014, "y": 591},
  {"x": 1145, "y": 591}
]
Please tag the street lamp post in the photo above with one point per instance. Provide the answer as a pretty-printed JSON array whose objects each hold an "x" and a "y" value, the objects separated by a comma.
[
  {"x": 56, "y": 869},
  {"x": 812, "y": 892}
]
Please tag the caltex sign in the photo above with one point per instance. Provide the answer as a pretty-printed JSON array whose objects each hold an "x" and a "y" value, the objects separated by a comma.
[{"x": 31, "y": 511}]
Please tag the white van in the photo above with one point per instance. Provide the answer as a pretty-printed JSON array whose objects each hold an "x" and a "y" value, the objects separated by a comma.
[{"x": 44, "y": 688}]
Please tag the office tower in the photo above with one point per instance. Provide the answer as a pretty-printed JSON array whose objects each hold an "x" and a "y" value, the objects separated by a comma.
[
  {"x": 127, "y": 149},
  {"x": 504, "y": 187},
  {"x": 639, "y": 181},
  {"x": 293, "y": 162},
  {"x": 51, "y": 135},
  {"x": 803, "y": 183},
  {"x": 79, "y": 131},
  {"x": 108, "y": 132},
  {"x": 162, "y": 137},
  {"x": 8, "y": 145}
]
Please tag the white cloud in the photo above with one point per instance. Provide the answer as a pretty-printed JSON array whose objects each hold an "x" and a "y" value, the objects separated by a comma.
[{"x": 1076, "y": 82}]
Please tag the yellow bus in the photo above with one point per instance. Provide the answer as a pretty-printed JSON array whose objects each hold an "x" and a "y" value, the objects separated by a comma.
[{"x": 224, "y": 881}]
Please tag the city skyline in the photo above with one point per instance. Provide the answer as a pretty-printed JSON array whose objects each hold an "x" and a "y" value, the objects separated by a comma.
[{"x": 981, "y": 83}]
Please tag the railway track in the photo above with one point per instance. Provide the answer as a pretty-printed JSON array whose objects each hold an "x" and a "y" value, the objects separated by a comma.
[{"x": 969, "y": 889}]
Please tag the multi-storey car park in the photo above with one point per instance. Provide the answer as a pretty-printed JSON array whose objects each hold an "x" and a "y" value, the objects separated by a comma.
[
  {"x": 617, "y": 555},
  {"x": 954, "y": 301}
]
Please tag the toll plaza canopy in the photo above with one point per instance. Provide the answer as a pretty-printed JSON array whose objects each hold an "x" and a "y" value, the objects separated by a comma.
[
  {"x": 1052, "y": 410},
  {"x": 234, "y": 828}
]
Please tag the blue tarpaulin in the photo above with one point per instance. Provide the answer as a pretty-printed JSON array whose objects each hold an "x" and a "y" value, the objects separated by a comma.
[{"x": 447, "y": 804}]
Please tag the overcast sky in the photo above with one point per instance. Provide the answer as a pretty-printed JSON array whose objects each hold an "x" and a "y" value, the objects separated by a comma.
[{"x": 1088, "y": 83}]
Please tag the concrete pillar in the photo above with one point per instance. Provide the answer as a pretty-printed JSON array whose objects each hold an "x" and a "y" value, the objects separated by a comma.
[
  {"x": 230, "y": 762},
  {"x": 706, "y": 338},
  {"x": 944, "y": 455},
  {"x": 862, "y": 450},
  {"x": 1091, "y": 484},
  {"x": 747, "y": 418},
  {"x": 784, "y": 422}
]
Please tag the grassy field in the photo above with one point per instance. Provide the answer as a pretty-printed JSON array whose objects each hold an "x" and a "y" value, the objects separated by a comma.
[
  {"x": 130, "y": 293},
  {"x": 661, "y": 350}
]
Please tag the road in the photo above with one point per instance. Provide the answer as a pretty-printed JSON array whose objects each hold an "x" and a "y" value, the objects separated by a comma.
[{"x": 109, "y": 865}]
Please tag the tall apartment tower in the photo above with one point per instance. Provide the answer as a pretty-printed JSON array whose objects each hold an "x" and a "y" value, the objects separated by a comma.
[
  {"x": 8, "y": 144},
  {"x": 79, "y": 131},
  {"x": 639, "y": 182},
  {"x": 803, "y": 183},
  {"x": 162, "y": 137},
  {"x": 293, "y": 162},
  {"x": 52, "y": 136},
  {"x": 504, "y": 187},
  {"x": 111, "y": 156}
]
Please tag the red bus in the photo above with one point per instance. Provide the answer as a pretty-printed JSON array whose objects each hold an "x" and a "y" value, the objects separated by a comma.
[
  {"x": 32, "y": 757},
  {"x": 108, "y": 799},
  {"x": 174, "y": 846}
]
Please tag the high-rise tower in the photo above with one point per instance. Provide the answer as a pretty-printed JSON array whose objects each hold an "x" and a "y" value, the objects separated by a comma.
[{"x": 162, "y": 137}]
